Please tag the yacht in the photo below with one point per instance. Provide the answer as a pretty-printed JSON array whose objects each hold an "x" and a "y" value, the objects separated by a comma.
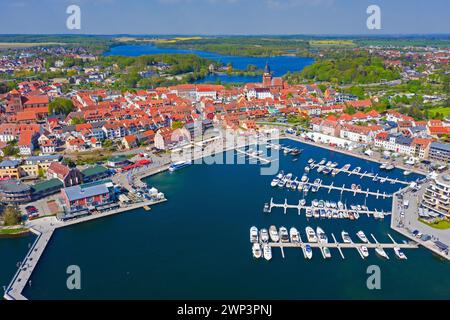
[
  {"x": 274, "y": 182},
  {"x": 306, "y": 187},
  {"x": 364, "y": 251},
  {"x": 362, "y": 236},
  {"x": 294, "y": 184},
  {"x": 179, "y": 165},
  {"x": 333, "y": 204},
  {"x": 307, "y": 169},
  {"x": 267, "y": 252},
  {"x": 317, "y": 182},
  {"x": 335, "y": 172},
  {"x": 326, "y": 252},
  {"x": 289, "y": 176},
  {"x": 280, "y": 175},
  {"x": 300, "y": 186},
  {"x": 345, "y": 237},
  {"x": 281, "y": 183},
  {"x": 316, "y": 213},
  {"x": 406, "y": 173},
  {"x": 286, "y": 150},
  {"x": 310, "y": 234},
  {"x": 256, "y": 249},
  {"x": 346, "y": 167},
  {"x": 264, "y": 235},
  {"x": 328, "y": 164},
  {"x": 289, "y": 184},
  {"x": 295, "y": 152},
  {"x": 322, "y": 162},
  {"x": 383, "y": 166},
  {"x": 322, "y": 213},
  {"x": 309, "y": 213},
  {"x": 302, "y": 202},
  {"x": 327, "y": 170},
  {"x": 293, "y": 232},
  {"x": 321, "y": 204},
  {"x": 284, "y": 235},
  {"x": 322, "y": 237},
  {"x": 356, "y": 215},
  {"x": 310, "y": 161},
  {"x": 399, "y": 253},
  {"x": 340, "y": 205},
  {"x": 315, "y": 203},
  {"x": 308, "y": 251},
  {"x": 380, "y": 251},
  {"x": 320, "y": 169},
  {"x": 334, "y": 165},
  {"x": 253, "y": 234},
  {"x": 273, "y": 233},
  {"x": 304, "y": 178},
  {"x": 390, "y": 167}
]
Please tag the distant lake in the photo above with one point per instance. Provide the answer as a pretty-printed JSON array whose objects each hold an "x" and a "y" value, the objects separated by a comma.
[{"x": 279, "y": 65}]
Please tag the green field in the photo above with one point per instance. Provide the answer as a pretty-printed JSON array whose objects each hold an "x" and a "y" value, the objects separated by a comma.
[
  {"x": 443, "y": 224},
  {"x": 444, "y": 110}
]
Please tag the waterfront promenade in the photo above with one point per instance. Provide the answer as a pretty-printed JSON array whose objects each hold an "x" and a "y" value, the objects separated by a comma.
[
  {"x": 406, "y": 220},
  {"x": 44, "y": 229}
]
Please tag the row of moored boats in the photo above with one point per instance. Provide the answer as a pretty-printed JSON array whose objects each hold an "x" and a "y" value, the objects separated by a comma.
[{"x": 261, "y": 238}]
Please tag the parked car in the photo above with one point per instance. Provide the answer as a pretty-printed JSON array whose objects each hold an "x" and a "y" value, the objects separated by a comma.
[{"x": 31, "y": 209}]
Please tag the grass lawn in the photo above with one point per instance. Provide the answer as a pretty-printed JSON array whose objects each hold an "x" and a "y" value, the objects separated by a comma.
[
  {"x": 443, "y": 224},
  {"x": 11, "y": 231},
  {"x": 444, "y": 111}
]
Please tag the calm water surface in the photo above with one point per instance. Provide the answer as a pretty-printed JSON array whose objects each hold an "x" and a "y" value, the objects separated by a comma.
[
  {"x": 279, "y": 65},
  {"x": 196, "y": 245}
]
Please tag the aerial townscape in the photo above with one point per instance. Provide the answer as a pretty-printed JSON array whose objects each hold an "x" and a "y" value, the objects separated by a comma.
[{"x": 90, "y": 127}]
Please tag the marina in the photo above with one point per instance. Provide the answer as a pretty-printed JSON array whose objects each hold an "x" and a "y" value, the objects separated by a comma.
[
  {"x": 226, "y": 259},
  {"x": 319, "y": 241},
  {"x": 299, "y": 207}
]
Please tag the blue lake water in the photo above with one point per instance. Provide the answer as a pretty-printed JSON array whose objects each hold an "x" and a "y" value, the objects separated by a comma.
[
  {"x": 279, "y": 65},
  {"x": 196, "y": 245}
]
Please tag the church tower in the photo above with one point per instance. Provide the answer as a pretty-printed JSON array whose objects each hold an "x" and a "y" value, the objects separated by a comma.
[{"x": 267, "y": 76}]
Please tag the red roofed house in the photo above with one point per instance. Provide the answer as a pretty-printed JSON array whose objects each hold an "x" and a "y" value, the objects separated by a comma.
[
  {"x": 27, "y": 141},
  {"x": 129, "y": 141},
  {"x": 421, "y": 147},
  {"x": 166, "y": 138},
  {"x": 68, "y": 176},
  {"x": 359, "y": 104}
]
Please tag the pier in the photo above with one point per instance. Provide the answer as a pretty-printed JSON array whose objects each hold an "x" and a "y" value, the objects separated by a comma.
[
  {"x": 340, "y": 246},
  {"x": 254, "y": 156},
  {"x": 299, "y": 207}
]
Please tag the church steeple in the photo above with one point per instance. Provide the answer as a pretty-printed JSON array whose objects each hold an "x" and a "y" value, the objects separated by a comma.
[{"x": 267, "y": 76}]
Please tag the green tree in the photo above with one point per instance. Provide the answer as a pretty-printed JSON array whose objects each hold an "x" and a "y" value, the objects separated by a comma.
[
  {"x": 177, "y": 125},
  {"x": 11, "y": 216},
  {"x": 60, "y": 105}
]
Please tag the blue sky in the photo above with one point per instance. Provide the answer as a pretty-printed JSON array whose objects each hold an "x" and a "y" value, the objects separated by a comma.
[{"x": 225, "y": 16}]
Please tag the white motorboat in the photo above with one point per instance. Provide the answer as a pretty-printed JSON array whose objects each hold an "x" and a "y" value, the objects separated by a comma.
[
  {"x": 334, "y": 165},
  {"x": 380, "y": 251},
  {"x": 256, "y": 249},
  {"x": 346, "y": 167},
  {"x": 280, "y": 175},
  {"x": 274, "y": 182},
  {"x": 302, "y": 202},
  {"x": 326, "y": 252},
  {"x": 316, "y": 213},
  {"x": 340, "y": 205},
  {"x": 300, "y": 186},
  {"x": 281, "y": 183},
  {"x": 284, "y": 235},
  {"x": 310, "y": 161},
  {"x": 406, "y": 173},
  {"x": 307, "y": 169},
  {"x": 267, "y": 251},
  {"x": 315, "y": 203},
  {"x": 356, "y": 170},
  {"x": 253, "y": 234},
  {"x": 322, "y": 237},
  {"x": 364, "y": 251},
  {"x": 328, "y": 164},
  {"x": 293, "y": 232},
  {"x": 309, "y": 213},
  {"x": 304, "y": 178},
  {"x": 335, "y": 172},
  {"x": 311, "y": 235},
  {"x": 322, "y": 162},
  {"x": 399, "y": 253},
  {"x": 308, "y": 251},
  {"x": 346, "y": 237},
  {"x": 264, "y": 235},
  {"x": 289, "y": 176},
  {"x": 273, "y": 233},
  {"x": 362, "y": 236}
]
